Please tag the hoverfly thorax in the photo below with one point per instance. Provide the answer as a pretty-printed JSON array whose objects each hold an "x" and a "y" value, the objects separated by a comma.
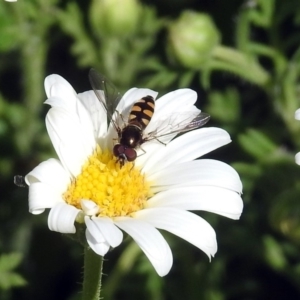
[{"x": 131, "y": 136}]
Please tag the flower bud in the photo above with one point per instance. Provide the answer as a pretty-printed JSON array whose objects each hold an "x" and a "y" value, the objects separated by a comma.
[
  {"x": 115, "y": 17},
  {"x": 192, "y": 39}
]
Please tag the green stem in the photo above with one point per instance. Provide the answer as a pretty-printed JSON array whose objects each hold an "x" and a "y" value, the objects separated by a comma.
[
  {"x": 93, "y": 264},
  {"x": 124, "y": 265},
  {"x": 278, "y": 59},
  {"x": 33, "y": 54},
  {"x": 243, "y": 30},
  {"x": 241, "y": 64}
]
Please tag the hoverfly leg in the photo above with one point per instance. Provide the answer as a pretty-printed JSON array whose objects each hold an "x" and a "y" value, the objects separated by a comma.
[
  {"x": 144, "y": 151},
  {"x": 161, "y": 142},
  {"x": 132, "y": 167},
  {"x": 154, "y": 138},
  {"x": 119, "y": 117}
]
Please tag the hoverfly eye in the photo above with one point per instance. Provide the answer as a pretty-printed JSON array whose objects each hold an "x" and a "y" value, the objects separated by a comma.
[
  {"x": 118, "y": 150},
  {"x": 130, "y": 154}
]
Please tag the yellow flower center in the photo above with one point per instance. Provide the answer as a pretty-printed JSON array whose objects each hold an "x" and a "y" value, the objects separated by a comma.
[{"x": 118, "y": 191}]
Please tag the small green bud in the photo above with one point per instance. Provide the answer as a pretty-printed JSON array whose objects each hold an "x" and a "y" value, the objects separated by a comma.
[
  {"x": 115, "y": 17},
  {"x": 192, "y": 39}
]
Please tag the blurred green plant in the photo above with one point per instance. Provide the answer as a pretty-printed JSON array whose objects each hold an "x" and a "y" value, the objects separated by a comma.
[
  {"x": 116, "y": 46},
  {"x": 8, "y": 277}
]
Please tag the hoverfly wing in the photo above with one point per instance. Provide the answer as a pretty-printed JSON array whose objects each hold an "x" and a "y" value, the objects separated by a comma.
[
  {"x": 169, "y": 126},
  {"x": 106, "y": 92},
  {"x": 197, "y": 122}
]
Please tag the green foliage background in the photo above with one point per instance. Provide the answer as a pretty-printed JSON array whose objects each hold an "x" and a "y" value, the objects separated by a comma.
[{"x": 248, "y": 83}]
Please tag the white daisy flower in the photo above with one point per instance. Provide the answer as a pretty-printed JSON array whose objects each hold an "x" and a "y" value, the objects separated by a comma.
[
  {"x": 297, "y": 156},
  {"x": 87, "y": 184}
]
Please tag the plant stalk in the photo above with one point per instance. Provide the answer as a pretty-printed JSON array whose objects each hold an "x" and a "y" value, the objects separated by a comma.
[{"x": 92, "y": 278}]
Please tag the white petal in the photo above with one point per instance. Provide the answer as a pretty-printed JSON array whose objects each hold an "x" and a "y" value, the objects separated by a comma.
[
  {"x": 297, "y": 114},
  {"x": 213, "y": 199},
  {"x": 150, "y": 241},
  {"x": 90, "y": 208},
  {"x": 62, "y": 218},
  {"x": 73, "y": 105},
  {"x": 50, "y": 172},
  {"x": 297, "y": 158},
  {"x": 42, "y": 196},
  {"x": 96, "y": 111},
  {"x": 100, "y": 247},
  {"x": 51, "y": 83},
  {"x": 205, "y": 172},
  {"x": 107, "y": 229},
  {"x": 187, "y": 147},
  {"x": 184, "y": 224},
  {"x": 176, "y": 101},
  {"x": 66, "y": 104},
  {"x": 149, "y": 149},
  {"x": 72, "y": 142}
]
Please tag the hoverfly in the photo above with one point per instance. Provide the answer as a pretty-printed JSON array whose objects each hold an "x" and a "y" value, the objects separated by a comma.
[{"x": 131, "y": 132}]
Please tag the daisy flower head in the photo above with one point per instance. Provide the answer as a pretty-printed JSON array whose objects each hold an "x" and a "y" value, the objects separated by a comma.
[{"x": 93, "y": 185}]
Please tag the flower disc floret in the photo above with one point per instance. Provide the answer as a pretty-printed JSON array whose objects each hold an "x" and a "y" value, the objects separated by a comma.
[{"x": 118, "y": 191}]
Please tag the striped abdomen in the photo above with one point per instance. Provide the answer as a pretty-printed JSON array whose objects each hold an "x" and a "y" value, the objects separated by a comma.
[{"x": 142, "y": 112}]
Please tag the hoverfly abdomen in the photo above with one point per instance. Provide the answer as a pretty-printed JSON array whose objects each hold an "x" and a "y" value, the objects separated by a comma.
[{"x": 142, "y": 112}]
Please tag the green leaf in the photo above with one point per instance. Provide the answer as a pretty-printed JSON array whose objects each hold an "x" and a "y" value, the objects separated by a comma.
[
  {"x": 273, "y": 253},
  {"x": 186, "y": 79},
  {"x": 71, "y": 22},
  {"x": 225, "y": 106},
  {"x": 257, "y": 144},
  {"x": 9, "y": 279},
  {"x": 9, "y": 34},
  {"x": 10, "y": 261},
  {"x": 162, "y": 79}
]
